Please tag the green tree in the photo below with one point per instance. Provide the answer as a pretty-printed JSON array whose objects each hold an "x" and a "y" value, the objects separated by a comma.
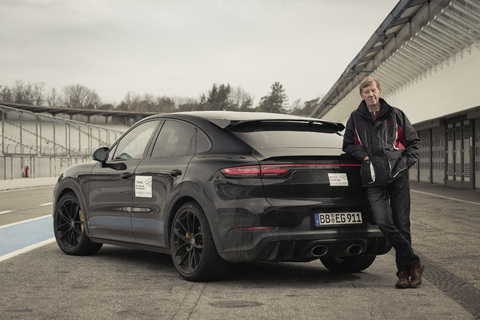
[
  {"x": 276, "y": 101},
  {"x": 218, "y": 98}
]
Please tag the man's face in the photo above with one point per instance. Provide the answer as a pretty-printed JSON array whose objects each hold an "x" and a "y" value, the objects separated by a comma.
[{"x": 371, "y": 95}]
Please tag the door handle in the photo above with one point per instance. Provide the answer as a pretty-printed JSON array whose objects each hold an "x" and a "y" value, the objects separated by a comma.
[
  {"x": 126, "y": 175},
  {"x": 175, "y": 172}
]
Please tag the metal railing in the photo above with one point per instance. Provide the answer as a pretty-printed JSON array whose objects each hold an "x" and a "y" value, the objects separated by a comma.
[{"x": 41, "y": 145}]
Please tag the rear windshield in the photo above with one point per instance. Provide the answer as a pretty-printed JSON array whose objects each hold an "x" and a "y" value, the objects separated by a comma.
[{"x": 266, "y": 139}]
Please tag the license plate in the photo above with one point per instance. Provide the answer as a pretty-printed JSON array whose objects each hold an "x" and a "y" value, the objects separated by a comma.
[{"x": 337, "y": 218}]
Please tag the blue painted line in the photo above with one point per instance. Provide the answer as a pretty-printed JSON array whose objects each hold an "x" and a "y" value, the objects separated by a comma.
[{"x": 21, "y": 235}]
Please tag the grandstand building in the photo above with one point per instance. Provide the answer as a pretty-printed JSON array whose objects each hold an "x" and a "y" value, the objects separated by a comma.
[{"x": 426, "y": 55}]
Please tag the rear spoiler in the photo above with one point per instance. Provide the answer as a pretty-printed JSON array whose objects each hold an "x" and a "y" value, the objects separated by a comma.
[{"x": 306, "y": 124}]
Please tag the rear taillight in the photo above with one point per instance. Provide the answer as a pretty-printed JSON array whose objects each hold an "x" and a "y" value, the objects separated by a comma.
[
  {"x": 276, "y": 170},
  {"x": 242, "y": 172},
  {"x": 255, "y": 171}
]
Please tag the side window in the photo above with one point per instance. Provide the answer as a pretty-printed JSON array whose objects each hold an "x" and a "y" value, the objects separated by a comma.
[
  {"x": 203, "y": 143},
  {"x": 133, "y": 144},
  {"x": 175, "y": 139}
]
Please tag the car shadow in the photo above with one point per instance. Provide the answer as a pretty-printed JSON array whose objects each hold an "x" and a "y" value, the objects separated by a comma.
[
  {"x": 133, "y": 257},
  {"x": 287, "y": 273}
]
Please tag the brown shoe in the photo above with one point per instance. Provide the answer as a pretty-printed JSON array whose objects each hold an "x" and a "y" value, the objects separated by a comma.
[
  {"x": 402, "y": 282},
  {"x": 416, "y": 275}
]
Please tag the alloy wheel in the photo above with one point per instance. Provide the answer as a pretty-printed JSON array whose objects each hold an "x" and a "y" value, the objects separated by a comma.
[
  {"x": 69, "y": 227},
  {"x": 188, "y": 241}
]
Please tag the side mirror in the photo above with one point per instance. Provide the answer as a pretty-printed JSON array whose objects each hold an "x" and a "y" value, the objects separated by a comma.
[{"x": 101, "y": 154}]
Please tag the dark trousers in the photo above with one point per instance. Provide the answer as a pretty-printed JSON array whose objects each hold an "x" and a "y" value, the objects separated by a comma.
[{"x": 391, "y": 209}]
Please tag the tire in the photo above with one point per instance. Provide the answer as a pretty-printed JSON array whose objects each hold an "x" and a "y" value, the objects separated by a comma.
[
  {"x": 193, "y": 250},
  {"x": 69, "y": 227},
  {"x": 348, "y": 264}
]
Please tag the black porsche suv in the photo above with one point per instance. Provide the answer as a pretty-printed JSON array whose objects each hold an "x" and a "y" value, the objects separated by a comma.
[{"x": 215, "y": 188}]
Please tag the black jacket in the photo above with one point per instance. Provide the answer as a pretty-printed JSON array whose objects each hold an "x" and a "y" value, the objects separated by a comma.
[{"x": 390, "y": 141}]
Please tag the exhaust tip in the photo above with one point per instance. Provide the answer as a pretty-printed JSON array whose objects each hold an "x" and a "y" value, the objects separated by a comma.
[
  {"x": 354, "y": 249},
  {"x": 319, "y": 250}
]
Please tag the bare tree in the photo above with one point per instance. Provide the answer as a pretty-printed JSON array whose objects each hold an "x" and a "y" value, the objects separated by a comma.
[
  {"x": 240, "y": 99},
  {"x": 184, "y": 100},
  {"x": 52, "y": 98},
  {"x": 22, "y": 92},
  {"x": 38, "y": 94},
  {"x": 147, "y": 104},
  {"x": 186, "y": 104},
  {"x": 130, "y": 102},
  {"x": 296, "y": 105},
  {"x": 6, "y": 94},
  {"x": 308, "y": 108},
  {"x": 79, "y": 96}
]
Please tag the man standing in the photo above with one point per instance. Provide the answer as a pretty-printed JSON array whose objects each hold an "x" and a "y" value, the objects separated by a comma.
[{"x": 383, "y": 139}]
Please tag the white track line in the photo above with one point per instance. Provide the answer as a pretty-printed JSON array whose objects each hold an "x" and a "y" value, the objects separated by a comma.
[{"x": 26, "y": 249}]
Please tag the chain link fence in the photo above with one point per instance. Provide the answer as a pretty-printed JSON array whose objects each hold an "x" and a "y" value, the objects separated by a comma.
[{"x": 39, "y": 145}]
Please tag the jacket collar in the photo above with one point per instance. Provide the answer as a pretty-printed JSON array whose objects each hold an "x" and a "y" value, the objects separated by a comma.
[{"x": 384, "y": 108}]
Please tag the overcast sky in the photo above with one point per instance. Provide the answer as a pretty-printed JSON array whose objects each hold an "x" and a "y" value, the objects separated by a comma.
[{"x": 182, "y": 47}]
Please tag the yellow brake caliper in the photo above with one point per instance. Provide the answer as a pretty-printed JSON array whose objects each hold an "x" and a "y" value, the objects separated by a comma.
[
  {"x": 81, "y": 219},
  {"x": 188, "y": 236}
]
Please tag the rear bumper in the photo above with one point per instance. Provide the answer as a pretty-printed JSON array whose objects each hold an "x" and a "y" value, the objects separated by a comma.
[
  {"x": 288, "y": 245},
  {"x": 294, "y": 235}
]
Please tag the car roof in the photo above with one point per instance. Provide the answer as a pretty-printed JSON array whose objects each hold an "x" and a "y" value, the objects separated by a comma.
[{"x": 230, "y": 119}]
